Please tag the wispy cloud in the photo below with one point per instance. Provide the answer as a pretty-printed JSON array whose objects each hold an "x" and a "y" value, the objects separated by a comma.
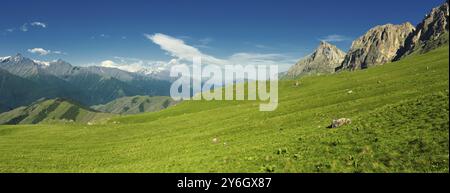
[
  {"x": 108, "y": 36},
  {"x": 335, "y": 38},
  {"x": 24, "y": 27},
  {"x": 38, "y": 24},
  {"x": 43, "y": 52},
  {"x": 181, "y": 51},
  {"x": 27, "y": 26},
  {"x": 261, "y": 46},
  {"x": 205, "y": 41}
]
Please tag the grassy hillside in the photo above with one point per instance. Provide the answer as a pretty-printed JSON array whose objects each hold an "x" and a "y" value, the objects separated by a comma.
[
  {"x": 52, "y": 110},
  {"x": 136, "y": 104},
  {"x": 399, "y": 113}
]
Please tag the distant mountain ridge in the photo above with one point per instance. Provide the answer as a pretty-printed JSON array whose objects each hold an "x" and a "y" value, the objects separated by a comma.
[
  {"x": 380, "y": 45},
  {"x": 136, "y": 104},
  {"x": 88, "y": 85}
]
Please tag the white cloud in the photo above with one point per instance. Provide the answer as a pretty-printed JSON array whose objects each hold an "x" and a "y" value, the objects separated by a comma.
[
  {"x": 335, "y": 38},
  {"x": 38, "y": 24},
  {"x": 259, "y": 59},
  {"x": 178, "y": 49},
  {"x": 40, "y": 51},
  {"x": 43, "y": 52},
  {"x": 181, "y": 51},
  {"x": 24, "y": 27}
]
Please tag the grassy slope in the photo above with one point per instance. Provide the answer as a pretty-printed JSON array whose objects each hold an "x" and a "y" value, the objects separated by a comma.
[
  {"x": 50, "y": 111},
  {"x": 399, "y": 113},
  {"x": 136, "y": 104}
]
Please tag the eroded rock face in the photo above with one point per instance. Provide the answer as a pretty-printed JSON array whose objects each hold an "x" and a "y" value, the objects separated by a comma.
[
  {"x": 378, "y": 46},
  {"x": 431, "y": 33},
  {"x": 324, "y": 60}
]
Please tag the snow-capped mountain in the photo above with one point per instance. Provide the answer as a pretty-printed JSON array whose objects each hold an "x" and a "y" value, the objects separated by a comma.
[
  {"x": 4, "y": 58},
  {"x": 87, "y": 85}
]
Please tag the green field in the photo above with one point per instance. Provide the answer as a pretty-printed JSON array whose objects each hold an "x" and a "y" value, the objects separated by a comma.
[{"x": 399, "y": 115}]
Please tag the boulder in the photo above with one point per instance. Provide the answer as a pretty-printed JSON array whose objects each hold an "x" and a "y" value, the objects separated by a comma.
[{"x": 340, "y": 122}]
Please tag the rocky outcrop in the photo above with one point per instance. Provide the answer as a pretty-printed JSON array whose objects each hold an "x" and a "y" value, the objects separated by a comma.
[
  {"x": 378, "y": 46},
  {"x": 324, "y": 60},
  {"x": 431, "y": 33}
]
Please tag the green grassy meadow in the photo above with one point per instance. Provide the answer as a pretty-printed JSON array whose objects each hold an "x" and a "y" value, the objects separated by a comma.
[{"x": 399, "y": 115}]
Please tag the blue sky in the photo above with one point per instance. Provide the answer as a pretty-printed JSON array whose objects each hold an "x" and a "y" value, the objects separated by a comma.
[{"x": 88, "y": 32}]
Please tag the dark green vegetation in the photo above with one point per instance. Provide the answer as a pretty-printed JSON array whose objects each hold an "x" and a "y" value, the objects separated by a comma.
[
  {"x": 17, "y": 91},
  {"x": 23, "y": 81},
  {"x": 399, "y": 115},
  {"x": 52, "y": 110},
  {"x": 136, "y": 104}
]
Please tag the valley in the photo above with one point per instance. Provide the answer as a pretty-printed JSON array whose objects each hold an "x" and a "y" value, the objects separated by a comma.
[
  {"x": 381, "y": 105},
  {"x": 386, "y": 134}
]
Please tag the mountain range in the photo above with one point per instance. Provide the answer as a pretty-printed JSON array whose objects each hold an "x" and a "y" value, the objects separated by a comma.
[
  {"x": 379, "y": 45},
  {"x": 431, "y": 33},
  {"x": 136, "y": 104},
  {"x": 88, "y": 85}
]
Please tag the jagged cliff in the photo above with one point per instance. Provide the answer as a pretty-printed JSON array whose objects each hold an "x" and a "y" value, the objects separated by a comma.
[
  {"x": 378, "y": 46},
  {"x": 431, "y": 33}
]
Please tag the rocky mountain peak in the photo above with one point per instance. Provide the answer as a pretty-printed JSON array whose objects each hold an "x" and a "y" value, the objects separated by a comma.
[
  {"x": 328, "y": 51},
  {"x": 431, "y": 33},
  {"x": 60, "y": 62},
  {"x": 17, "y": 58},
  {"x": 378, "y": 46},
  {"x": 323, "y": 60}
]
